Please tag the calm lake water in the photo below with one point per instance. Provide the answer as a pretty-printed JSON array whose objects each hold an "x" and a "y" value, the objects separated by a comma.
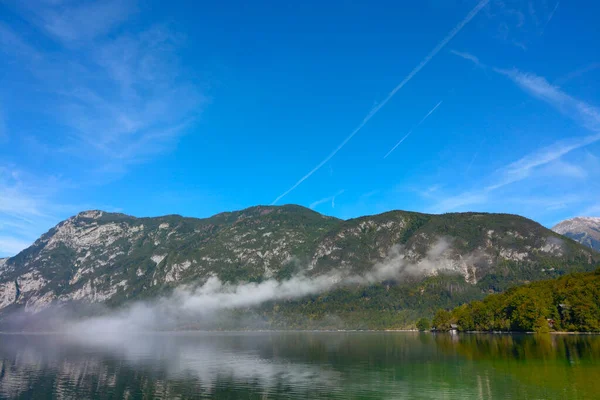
[{"x": 276, "y": 365}]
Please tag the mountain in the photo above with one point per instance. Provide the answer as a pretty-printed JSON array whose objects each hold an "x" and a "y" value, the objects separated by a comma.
[
  {"x": 585, "y": 230},
  {"x": 569, "y": 303},
  {"x": 110, "y": 258}
]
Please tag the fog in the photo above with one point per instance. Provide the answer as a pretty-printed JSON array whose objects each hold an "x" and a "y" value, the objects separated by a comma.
[
  {"x": 214, "y": 297},
  {"x": 203, "y": 358},
  {"x": 214, "y": 301}
]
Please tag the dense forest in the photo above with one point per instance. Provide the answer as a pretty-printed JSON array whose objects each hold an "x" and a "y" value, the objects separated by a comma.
[{"x": 570, "y": 303}]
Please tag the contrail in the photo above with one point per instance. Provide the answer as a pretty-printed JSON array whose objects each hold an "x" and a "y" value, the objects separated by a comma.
[
  {"x": 325, "y": 200},
  {"x": 412, "y": 129},
  {"x": 474, "y": 156},
  {"x": 374, "y": 111},
  {"x": 551, "y": 15}
]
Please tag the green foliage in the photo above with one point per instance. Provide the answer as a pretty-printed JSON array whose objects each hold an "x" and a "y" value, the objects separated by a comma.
[
  {"x": 442, "y": 320},
  {"x": 423, "y": 325},
  {"x": 569, "y": 303},
  {"x": 541, "y": 326},
  {"x": 390, "y": 305}
]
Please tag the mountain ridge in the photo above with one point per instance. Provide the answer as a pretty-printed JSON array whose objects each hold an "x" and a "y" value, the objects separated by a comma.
[{"x": 114, "y": 258}]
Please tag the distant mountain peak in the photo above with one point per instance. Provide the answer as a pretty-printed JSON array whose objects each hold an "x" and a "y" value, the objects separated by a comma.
[
  {"x": 584, "y": 219},
  {"x": 585, "y": 230}
]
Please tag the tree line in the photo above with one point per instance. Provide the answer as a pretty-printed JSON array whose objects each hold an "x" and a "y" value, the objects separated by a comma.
[{"x": 570, "y": 303}]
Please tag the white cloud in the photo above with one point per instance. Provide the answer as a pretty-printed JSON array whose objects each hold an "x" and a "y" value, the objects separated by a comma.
[
  {"x": 13, "y": 198},
  {"x": 586, "y": 115},
  {"x": 149, "y": 107},
  {"x": 430, "y": 191},
  {"x": 117, "y": 93},
  {"x": 10, "y": 245},
  {"x": 22, "y": 211},
  {"x": 79, "y": 21},
  {"x": 542, "y": 163},
  {"x": 519, "y": 23},
  {"x": 560, "y": 168},
  {"x": 123, "y": 97},
  {"x": 13, "y": 44},
  {"x": 30, "y": 205},
  {"x": 583, "y": 113},
  {"x": 524, "y": 167}
]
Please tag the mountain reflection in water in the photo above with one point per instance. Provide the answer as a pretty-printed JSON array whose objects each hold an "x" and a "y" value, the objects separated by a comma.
[{"x": 271, "y": 365}]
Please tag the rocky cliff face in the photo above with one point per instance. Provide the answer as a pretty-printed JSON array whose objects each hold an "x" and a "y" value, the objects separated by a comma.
[
  {"x": 113, "y": 258},
  {"x": 585, "y": 230}
]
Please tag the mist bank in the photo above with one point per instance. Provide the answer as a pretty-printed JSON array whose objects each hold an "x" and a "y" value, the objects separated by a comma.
[
  {"x": 215, "y": 303},
  {"x": 204, "y": 304}
]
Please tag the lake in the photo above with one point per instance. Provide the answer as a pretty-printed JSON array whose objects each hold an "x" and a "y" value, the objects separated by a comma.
[{"x": 282, "y": 365}]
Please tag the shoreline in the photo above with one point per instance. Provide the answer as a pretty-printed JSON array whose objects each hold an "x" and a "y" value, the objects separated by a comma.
[{"x": 311, "y": 331}]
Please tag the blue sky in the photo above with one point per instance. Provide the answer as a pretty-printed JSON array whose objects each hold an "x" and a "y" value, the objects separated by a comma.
[{"x": 350, "y": 108}]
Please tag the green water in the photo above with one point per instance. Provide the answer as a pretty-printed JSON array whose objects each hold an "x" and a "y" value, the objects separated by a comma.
[{"x": 336, "y": 365}]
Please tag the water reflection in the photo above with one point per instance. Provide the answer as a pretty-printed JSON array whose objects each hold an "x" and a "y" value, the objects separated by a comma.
[{"x": 301, "y": 365}]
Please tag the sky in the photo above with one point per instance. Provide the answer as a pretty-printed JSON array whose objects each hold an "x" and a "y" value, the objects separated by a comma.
[{"x": 349, "y": 108}]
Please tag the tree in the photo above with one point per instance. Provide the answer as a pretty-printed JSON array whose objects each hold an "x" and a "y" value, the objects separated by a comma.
[
  {"x": 441, "y": 320},
  {"x": 464, "y": 317},
  {"x": 541, "y": 326},
  {"x": 569, "y": 303},
  {"x": 423, "y": 324}
]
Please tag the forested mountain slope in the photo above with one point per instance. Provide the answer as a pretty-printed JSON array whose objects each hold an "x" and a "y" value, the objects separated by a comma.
[
  {"x": 100, "y": 257},
  {"x": 568, "y": 303}
]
